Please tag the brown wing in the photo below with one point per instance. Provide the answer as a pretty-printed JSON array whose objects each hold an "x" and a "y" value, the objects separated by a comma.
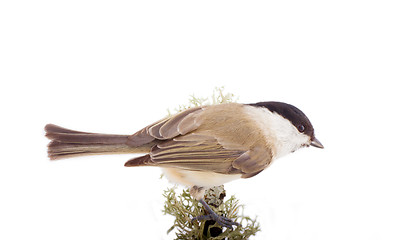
[
  {"x": 195, "y": 152},
  {"x": 183, "y": 145},
  {"x": 167, "y": 128}
]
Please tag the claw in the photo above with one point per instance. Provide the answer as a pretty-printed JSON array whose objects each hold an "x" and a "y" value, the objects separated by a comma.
[{"x": 222, "y": 221}]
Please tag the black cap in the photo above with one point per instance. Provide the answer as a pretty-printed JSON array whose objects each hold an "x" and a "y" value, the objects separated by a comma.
[{"x": 291, "y": 113}]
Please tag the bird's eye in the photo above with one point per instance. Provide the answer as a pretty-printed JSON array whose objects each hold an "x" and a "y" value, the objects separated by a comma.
[{"x": 301, "y": 128}]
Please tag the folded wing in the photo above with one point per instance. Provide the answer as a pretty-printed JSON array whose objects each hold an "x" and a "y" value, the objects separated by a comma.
[{"x": 182, "y": 143}]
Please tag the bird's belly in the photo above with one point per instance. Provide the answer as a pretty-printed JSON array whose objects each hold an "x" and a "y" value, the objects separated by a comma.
[{"x": 197, "y": 178}]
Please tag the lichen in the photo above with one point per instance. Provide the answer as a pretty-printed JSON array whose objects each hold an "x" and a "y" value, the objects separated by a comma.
[
  {"x": 218, "y": 97},
  {"x": 183, "y": 207}
]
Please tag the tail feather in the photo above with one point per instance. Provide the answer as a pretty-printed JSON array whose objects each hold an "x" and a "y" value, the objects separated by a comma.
[
  {"x": 51, "y": 128},
  {"x": 67, "y": 143},
  {"x": 140, "y": 161},
  {"x": 85, "y": 138}
]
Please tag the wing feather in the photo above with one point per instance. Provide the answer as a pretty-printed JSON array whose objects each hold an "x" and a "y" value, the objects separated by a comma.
[
  {"x": 181, "y": 141},
  {"x": 166, "y": 128},
  {"x": 171, "y": 128},
  {"x": 195, "y": 152}
]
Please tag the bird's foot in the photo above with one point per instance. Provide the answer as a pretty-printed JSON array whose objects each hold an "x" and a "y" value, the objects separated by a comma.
[{"x": 222, "y": 221}]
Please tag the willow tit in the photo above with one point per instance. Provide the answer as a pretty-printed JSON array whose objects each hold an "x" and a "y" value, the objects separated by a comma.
[{"x": 203, "y": 146}]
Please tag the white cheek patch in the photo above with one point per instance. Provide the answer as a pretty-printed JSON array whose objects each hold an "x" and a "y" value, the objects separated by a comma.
[
  {"x": 289, "y": 139},
  {"x": 278, "y": 131}
]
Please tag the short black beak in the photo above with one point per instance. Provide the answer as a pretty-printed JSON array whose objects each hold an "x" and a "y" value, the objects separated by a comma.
[{"x": 316, "y": 143}]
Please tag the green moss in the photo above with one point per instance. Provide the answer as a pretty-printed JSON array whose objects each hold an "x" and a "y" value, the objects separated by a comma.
[
  {"x": 218, "y": 97},
  {"x": 183, "y": 207}
]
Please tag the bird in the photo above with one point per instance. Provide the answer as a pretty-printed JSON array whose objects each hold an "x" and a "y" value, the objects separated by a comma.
[{"x": 201, "y": 147}]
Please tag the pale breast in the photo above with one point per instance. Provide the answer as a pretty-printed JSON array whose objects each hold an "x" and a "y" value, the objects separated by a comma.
[{"x": 197, "y": 178}]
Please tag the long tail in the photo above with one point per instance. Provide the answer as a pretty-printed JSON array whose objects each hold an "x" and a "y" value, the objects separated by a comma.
[{"x": 67, "y": 143}]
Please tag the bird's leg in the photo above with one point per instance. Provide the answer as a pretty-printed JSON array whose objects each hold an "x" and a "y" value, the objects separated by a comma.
[{"x": 222, "y": 221}]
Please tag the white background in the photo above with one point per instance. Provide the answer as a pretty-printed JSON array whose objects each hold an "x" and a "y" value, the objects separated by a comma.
[{"x": 116, "y": 66}]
